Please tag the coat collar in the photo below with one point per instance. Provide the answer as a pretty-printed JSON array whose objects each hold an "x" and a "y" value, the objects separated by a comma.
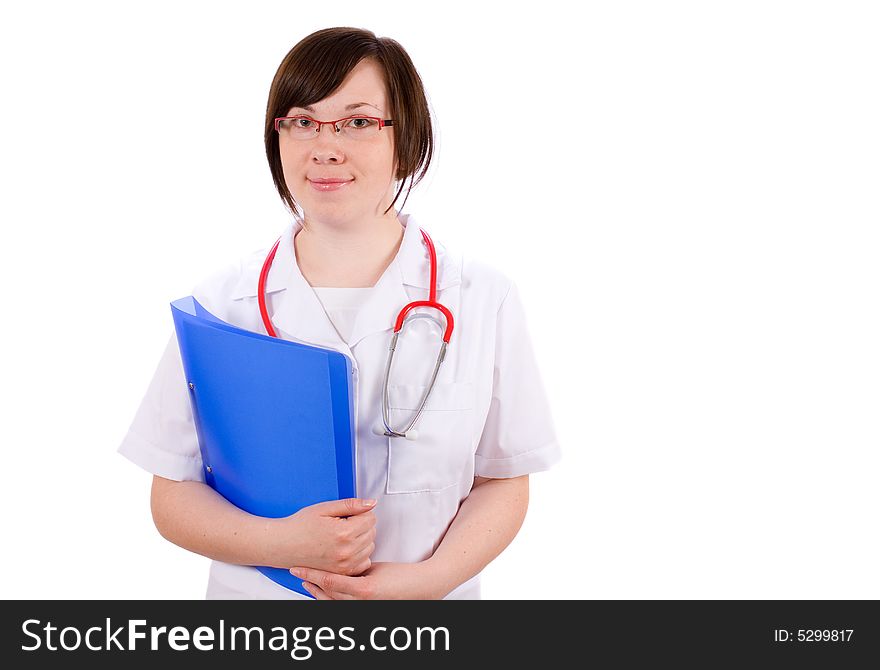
[{"x": 298, "y": 311}]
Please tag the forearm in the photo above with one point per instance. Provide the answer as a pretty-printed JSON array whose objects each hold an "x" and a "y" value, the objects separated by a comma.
[
  {"x": 194, "y": 516},
  {"x": 487, "y": 521}
]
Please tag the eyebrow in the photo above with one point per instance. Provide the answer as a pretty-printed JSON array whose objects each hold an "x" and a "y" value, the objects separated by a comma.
[{"x": 347, "y": 107}]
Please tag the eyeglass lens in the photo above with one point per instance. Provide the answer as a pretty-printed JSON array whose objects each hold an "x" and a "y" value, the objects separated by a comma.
[{"x": 304, "y": 127}]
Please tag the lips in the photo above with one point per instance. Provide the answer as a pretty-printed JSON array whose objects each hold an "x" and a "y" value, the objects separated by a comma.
[{"x": 329, "y": 184}]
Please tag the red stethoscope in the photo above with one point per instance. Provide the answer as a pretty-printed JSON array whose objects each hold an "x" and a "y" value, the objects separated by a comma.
[{"x": 407, "y": 432}]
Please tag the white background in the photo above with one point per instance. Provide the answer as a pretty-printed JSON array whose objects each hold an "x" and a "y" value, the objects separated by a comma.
[{"x": 685, "y": 192}]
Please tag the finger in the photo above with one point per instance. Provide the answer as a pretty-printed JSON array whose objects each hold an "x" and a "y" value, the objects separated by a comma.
[
  {"x": 345, "y": 507},
  {"x": 365, "y": 552},
  {"x": 328, "y": 581},
  {"x": 360, "y": 562},
  {"x": 316, "y": 591},
  {"x": 329, "y": 595},
  {"x": 362, "y": 524}
]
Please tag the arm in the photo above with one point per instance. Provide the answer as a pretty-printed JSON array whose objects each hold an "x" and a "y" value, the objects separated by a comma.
[
  {"x": 337, "y": 535},
  {"x": 486, "y": 523},
  {"x": 233, "y": 536}
]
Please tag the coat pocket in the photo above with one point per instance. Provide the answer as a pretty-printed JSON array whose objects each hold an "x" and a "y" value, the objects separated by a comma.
[{"x": 443, "y": 449}]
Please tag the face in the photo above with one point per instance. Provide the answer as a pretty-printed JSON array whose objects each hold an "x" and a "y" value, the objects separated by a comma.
[{"x": 367, "y": 165}]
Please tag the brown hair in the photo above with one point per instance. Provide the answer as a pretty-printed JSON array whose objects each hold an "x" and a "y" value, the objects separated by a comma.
[{"x": 317, "y": 66}]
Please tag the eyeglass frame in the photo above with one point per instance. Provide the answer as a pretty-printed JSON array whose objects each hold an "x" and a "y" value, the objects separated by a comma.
[{"x": 382, "y": 122}]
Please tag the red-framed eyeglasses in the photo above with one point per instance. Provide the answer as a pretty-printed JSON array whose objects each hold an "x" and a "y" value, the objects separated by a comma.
[{"x": 302, "y": 127}]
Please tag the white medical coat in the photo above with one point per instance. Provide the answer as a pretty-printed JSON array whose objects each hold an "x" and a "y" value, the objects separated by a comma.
[{"x": 487, "y": 416}]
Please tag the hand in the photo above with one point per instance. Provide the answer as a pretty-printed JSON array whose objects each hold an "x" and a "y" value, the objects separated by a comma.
[
  {"x": 383, "y": 581},
  {"x": 336, "y": 536}
]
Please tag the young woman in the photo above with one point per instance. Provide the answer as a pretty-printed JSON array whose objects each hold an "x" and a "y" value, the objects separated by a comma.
[{"x": 347, "y": 124}]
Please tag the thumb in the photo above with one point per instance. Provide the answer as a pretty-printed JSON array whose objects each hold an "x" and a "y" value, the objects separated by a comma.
[{"x": 345, "y": 507}]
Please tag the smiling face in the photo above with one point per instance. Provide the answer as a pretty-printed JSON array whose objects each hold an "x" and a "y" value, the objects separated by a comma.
[{"x": 367, "y": 165}]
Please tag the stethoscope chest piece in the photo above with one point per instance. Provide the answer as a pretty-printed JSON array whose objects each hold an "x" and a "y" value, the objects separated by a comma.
[{"x": 409, "y": 432}]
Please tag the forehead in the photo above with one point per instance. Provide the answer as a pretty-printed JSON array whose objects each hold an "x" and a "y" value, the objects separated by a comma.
[{"x": 364, "y": 84}]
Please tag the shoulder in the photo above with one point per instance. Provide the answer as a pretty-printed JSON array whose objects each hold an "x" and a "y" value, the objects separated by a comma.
[
  {"x": 228, "y": 282},
  {"x": 486, "y": 279}
]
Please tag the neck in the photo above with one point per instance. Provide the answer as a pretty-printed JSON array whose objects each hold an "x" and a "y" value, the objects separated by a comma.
[{"x": 347, "y": 256}]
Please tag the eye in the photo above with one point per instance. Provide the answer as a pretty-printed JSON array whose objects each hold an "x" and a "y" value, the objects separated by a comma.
[
  {"x": 361, "y": 122},
  {"x": 303, "y": 122}
]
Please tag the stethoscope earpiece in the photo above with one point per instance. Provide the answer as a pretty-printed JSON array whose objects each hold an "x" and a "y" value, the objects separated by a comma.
[{"x": 412, "y": 434}]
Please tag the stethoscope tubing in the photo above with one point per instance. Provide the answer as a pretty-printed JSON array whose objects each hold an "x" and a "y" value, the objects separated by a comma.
[{"x": 431, "y": 302}]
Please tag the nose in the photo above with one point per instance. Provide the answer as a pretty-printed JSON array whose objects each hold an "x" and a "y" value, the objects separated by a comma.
[{"x": 326, "y": 146}]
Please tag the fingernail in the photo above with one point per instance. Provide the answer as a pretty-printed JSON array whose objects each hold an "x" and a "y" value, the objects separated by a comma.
[
  {"x": 369, "y": 503},
  {"x": 295, "y": 572}
]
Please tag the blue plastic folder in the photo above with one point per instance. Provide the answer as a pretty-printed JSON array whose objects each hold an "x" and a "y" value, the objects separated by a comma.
[{"x": 275, "y": 419}]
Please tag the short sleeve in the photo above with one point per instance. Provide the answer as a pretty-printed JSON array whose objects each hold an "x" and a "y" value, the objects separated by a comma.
[
  {"x": 519, "y": 436},
  {"x": 162, "y": 438}
]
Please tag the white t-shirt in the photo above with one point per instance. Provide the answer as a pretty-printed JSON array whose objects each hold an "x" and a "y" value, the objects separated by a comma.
[
  {"x": 487, "y": 415},
  {"x": 342, "y": 306}
]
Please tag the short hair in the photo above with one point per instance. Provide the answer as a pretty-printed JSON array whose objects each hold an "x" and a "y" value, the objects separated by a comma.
[{"x": 317, "y": 65}]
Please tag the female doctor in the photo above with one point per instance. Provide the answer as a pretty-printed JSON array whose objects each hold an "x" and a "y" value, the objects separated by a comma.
[{"x": 347, "y": 124}]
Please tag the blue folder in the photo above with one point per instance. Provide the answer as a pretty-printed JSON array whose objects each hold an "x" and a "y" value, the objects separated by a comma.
[{"x": 275, "y": 419}]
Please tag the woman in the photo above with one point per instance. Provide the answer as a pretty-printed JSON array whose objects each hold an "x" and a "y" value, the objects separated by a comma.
[{"x": 433, "y": 511}]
